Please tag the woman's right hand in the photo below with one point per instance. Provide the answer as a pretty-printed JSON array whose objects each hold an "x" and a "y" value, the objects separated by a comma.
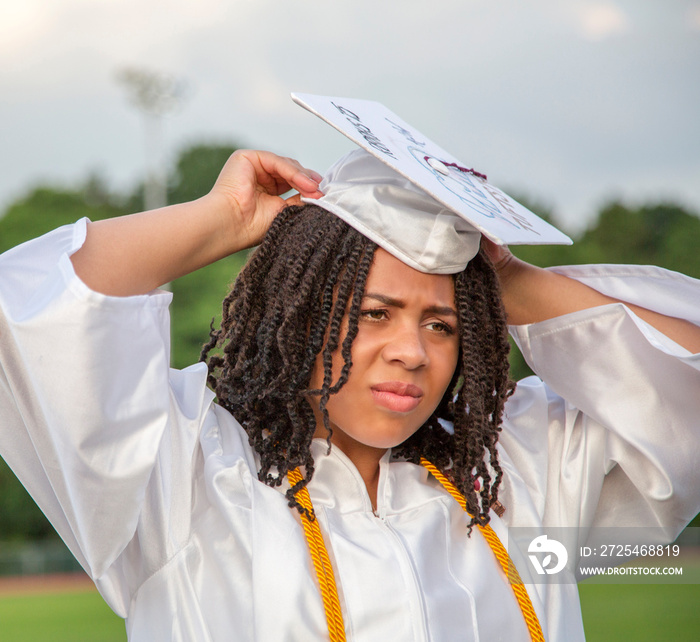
[
  {"x": 134, "y": 254},
  {"x": 251, "y": 183}
]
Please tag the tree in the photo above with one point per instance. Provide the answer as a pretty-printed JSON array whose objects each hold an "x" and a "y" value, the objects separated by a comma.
[
  {"x": 21, "y": 517},
  {"x": 198, "y": 296},
  {"x": 663, "y": 234},
  {"x": 46, "y": 208},
  {"x": 197, "y": 169}
]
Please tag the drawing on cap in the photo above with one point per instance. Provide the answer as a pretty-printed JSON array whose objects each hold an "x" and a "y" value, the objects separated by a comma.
[
  {"x": 470, "y": 189},
  {"x": 413, "y": 155}
]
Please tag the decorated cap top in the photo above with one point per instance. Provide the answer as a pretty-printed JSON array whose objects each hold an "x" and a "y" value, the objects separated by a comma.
[{"x": 413, "y": 198}]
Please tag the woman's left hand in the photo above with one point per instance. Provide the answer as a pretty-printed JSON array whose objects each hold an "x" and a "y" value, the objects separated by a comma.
[{"x": 504, "y": 262}]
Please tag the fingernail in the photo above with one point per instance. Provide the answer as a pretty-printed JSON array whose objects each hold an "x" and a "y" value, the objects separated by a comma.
[{"x": 310, "y": 180}]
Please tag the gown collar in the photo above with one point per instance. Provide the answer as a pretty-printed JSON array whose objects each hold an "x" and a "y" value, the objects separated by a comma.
[{"x": 338, "y": 485}]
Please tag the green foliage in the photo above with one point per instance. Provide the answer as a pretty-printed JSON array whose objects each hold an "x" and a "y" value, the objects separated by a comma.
[
  {"x": 197, "y": 169},
  {"x": 197, "y": 300},
  {"x": 662, "y": 234},
  {"x": 194, "y": 174},
  {"x": 21, "y": 517},
  {"x": 518, "y": 366},
  {"x": 45, "y": 209},
  {"x": 198, "y": 296}
]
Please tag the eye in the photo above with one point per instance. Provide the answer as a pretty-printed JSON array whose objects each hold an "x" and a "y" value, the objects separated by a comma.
[
  {"x": 440, "y": 327},
  {"x": 374, "y": 314}
]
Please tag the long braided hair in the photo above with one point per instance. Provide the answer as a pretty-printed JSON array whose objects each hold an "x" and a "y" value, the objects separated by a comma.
[{"x": 287, "y": 306}]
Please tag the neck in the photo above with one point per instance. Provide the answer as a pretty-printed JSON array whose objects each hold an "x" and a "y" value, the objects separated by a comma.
[
  {"x": 365, "y": 458},
  {"x": 367, "y": 465}
]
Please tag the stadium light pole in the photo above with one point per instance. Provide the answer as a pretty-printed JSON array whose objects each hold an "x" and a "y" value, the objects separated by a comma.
[{"x": 154, "y": 94}]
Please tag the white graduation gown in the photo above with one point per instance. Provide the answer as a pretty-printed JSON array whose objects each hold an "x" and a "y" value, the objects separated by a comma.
[{"x": 154, "y": 487}]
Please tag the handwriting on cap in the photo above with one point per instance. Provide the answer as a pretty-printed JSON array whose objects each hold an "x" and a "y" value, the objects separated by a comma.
[{"x": 363, "y": 130}]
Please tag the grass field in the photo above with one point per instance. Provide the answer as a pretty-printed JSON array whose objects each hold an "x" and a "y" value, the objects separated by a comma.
[
  {"x": 641, "y": 612},
  {"x": 71, "y": 616},
  {"x": 611, "y": 613}
]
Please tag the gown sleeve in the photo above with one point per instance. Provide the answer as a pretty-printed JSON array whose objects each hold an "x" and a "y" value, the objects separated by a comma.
[
  {"x": 94, "y": 423},
  {"x": 608, "y": 433}
]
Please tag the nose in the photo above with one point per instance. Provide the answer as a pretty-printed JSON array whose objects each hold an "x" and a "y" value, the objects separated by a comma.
[{"x": 406, "y": 347}]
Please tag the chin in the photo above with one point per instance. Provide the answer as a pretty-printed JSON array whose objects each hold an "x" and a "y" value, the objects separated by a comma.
[{"x": 387, "y": 440}]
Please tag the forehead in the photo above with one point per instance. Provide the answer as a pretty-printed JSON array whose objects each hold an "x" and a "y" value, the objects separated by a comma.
[{"x": 390, "y": 276}]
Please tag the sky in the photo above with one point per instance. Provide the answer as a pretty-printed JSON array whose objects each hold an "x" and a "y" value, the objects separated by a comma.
[{"x": 569, "y": 103}]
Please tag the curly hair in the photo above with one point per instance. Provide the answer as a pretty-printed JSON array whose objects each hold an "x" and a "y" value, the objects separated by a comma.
[{"x": 286, "y": 308}]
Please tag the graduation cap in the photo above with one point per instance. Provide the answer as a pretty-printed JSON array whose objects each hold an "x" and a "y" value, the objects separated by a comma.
[{"x": 413, "y": 198}]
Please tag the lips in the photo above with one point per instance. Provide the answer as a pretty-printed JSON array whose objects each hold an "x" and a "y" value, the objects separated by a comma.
[{"x": 397, "y": 396}]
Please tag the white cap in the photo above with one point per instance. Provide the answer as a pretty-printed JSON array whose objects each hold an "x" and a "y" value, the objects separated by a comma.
[
  {"x": 413, "y": 198},
  {"x": 397, "y": 215}
]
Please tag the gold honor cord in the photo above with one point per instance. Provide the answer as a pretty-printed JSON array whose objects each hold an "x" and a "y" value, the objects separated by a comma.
[
  {"x": 322, "y": 564},
  {"x": 326, "y": 579},
  {"x": 501, "y": 554}
]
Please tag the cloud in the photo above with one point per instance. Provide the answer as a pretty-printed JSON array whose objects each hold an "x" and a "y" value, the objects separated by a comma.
[
  {"x": 694, "y": 17},
  {"x": 601, "y": 20},
  {"x": 21, "y": 23}
]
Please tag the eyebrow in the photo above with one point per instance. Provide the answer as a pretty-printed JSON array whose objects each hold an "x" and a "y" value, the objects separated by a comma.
[{"x": 397, "y": 303}]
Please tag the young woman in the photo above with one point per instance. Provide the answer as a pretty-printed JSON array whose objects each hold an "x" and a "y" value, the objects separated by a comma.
[{"x": 339, "y": 369}]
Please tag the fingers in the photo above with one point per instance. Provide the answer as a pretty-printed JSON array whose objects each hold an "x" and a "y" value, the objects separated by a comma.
[
  {"x": 307, "y": 184},
  {"x": 490, "y": 248},
  {"x": 277, "y": 174},
  {"x": 494, "y": 251}
]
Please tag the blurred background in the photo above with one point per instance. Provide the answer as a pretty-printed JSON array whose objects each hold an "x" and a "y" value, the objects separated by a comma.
[{"x": 585, "y": 111}]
